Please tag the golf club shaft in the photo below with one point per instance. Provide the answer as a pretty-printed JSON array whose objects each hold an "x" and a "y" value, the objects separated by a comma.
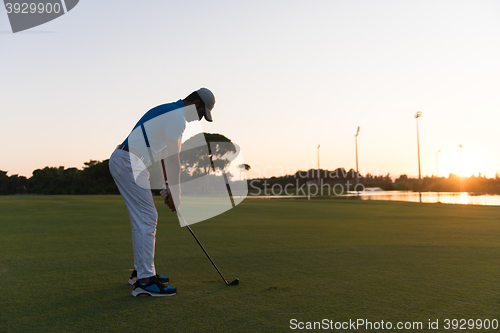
[
  {"x": 190, "y": 230},
  {"x": 192, "y": 233}
]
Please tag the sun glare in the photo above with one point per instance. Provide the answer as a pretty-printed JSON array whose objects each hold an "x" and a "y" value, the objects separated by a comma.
[
  {"x": 469, "y": 168},
  {"x": 453, "y": 163},
  {"x": 464, "y": 198}
]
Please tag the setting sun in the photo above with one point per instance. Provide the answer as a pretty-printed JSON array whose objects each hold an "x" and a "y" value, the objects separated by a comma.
[{"x": 450, "y": 161}]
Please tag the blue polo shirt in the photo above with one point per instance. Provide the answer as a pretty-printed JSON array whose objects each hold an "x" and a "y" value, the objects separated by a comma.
[{"x": 173, "y": 125}]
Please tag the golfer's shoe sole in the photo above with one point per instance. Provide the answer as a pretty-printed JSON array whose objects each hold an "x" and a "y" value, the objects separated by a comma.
[
  {"x": 132, "y": 281},
  {"x": 142, "y": 292}
]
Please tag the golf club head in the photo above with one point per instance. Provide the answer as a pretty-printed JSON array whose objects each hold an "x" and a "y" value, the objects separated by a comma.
[{"x": 235, "y": 282}]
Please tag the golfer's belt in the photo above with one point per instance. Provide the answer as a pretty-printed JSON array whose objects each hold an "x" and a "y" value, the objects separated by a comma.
[{"x": 145, "y": 160}]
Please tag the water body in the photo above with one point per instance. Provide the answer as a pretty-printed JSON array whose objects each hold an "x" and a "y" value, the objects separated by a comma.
[{"x": 461, "y": 198}]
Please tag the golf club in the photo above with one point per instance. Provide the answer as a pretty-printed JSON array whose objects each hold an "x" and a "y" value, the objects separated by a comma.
[{"x": 235, "y": 282}]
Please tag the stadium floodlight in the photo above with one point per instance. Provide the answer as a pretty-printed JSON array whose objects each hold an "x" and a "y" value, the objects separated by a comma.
[
  {"x": 437, "y": 162},
  {"x": 418, "y": 115},
  {"x": 318, "y": 168},
  {"x": 357, "y": 171}
]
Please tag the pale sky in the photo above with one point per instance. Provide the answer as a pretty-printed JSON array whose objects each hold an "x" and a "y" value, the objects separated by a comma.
[{"x": 287, "y": 76}]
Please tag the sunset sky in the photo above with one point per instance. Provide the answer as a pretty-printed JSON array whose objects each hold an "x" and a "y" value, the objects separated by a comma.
[{"x": 287, "y": 76}]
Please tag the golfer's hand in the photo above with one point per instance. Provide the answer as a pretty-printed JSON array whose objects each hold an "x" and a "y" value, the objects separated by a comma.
[
  {"x": 168, "y": 199},
  {"x": 170, "y": 203},
  {"x": 164, "y": 194}
]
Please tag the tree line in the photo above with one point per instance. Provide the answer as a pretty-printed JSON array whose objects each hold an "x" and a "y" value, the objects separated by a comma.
[
  {"x": 197, "y": 160},
  {"x": 95, "y": 178},
  {"x": 452, "y": 183}
]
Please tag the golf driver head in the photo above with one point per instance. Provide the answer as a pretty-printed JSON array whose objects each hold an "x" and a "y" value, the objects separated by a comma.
[{"x": 235, "y": 282}]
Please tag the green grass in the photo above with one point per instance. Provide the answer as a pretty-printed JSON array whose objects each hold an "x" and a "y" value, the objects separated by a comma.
[{"x": 65, "y": 262}]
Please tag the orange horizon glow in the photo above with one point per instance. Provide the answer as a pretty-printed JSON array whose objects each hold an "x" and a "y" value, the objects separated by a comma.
[{"x": 466, "y": 167}]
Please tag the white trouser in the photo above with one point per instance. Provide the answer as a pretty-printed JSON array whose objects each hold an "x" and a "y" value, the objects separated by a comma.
[{"x": 140, "y": 206}]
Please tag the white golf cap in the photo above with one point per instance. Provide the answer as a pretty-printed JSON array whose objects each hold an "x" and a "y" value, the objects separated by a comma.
[{"x": 209, "y": 99}]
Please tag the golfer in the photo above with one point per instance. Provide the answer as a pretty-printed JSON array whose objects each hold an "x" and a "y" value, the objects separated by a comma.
[{"x": 159, "y": 131}]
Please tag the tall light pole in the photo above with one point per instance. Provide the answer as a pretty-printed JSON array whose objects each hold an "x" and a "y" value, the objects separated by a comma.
[
  {"x": 437, "y": 168},
  {"x": 437, "y": 162},
  {"x": 357, "y": 171},
  {"x": 418, "y": 115},
  {"x": 461, "y": 168},
  {"x": 318, "y": 167},
  {"x": 461, "y": 159}
]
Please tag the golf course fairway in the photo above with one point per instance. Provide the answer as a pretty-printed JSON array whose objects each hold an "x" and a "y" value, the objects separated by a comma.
[{"x": 65, "y": 261}]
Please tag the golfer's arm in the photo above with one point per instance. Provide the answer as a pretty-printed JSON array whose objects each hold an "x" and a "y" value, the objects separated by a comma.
[{"x": 172, "y": 161}]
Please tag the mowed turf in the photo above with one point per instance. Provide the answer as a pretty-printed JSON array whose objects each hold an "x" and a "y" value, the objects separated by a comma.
[{"x": 65, "y": 260}]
